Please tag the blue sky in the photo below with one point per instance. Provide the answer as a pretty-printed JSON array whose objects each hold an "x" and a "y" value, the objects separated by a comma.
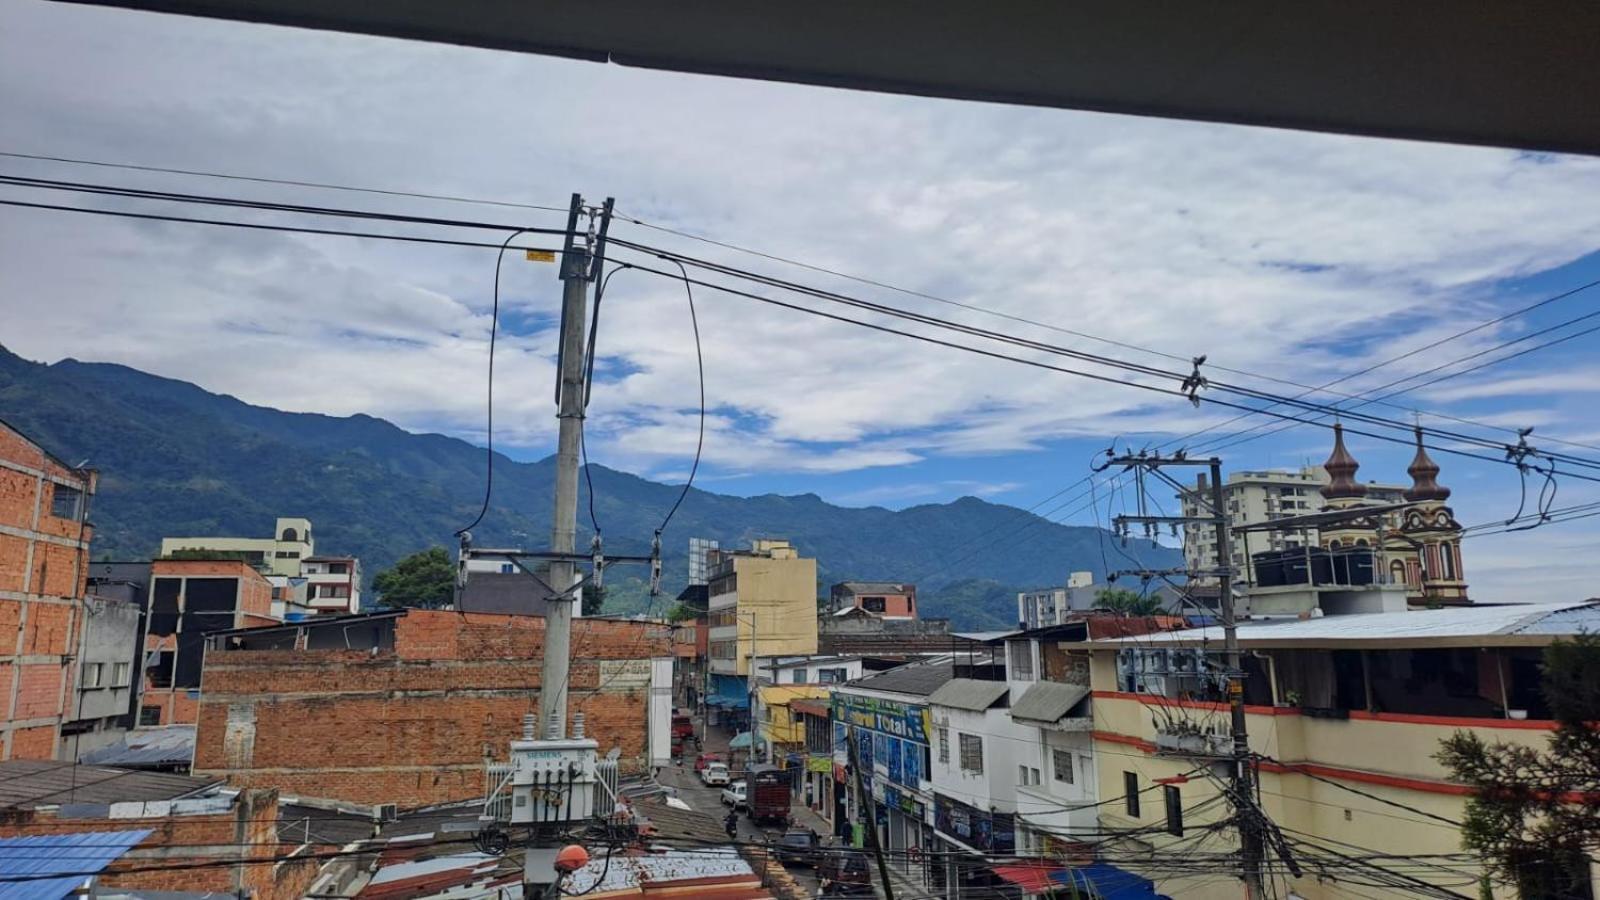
[{"x": 1296, "y": 256}]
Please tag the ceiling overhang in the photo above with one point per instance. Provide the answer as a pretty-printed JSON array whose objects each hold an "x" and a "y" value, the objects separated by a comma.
[{"x": 1519, "y": 75}]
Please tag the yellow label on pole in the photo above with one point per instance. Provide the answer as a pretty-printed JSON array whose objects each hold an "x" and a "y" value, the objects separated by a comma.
[{"x": 541, "y": 256}]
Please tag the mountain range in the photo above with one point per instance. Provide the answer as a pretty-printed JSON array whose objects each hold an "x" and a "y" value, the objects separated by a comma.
[{"x": 175, "y": 459}]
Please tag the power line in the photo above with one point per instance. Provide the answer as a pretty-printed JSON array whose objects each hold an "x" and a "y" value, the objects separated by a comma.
[
  {"x": 280, "y": 181},
  {"x": 494, "y": 328},
  {"x": 259, "y": 226}
]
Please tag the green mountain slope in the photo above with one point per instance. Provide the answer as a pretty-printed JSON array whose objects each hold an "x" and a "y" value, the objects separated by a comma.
[{"x": 178, "y": 460}]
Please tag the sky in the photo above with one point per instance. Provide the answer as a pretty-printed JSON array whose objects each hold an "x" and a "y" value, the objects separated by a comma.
[{"x": 1288, "y": 258}]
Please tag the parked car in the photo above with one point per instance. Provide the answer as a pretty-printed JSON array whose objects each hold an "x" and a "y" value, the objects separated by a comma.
[
  {"x": 714, "y": 774},
  {"x": 734, "y": 795},
  {"x": 843, "y": 873},
  {"x": 798, "y": 848},
  {"x": 708, "y": 758}
]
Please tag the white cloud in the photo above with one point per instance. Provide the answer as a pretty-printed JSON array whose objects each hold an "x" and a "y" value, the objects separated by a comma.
[{"x": 1259, "y": 248}]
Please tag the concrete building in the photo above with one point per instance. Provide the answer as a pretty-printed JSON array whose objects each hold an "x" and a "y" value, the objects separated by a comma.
[
  {"x": 405, "y": 706},
  {"x": 1347, "y": 712},
  {"x": 1260, "y": 496},
  {"x": 281, "y": 554},
  {"x": 188, "y": 599},
  {"x": 44, "y": 553},
  {"x": 107, "y": 686},
  {"x": 761, "y": 602},
  {"x": 889, "y": 717},
  {"x": 979, "y": 759},
  {"x": 884, "y": 599},
  {"x": 333, "y": 584},
  {"x": 700, "y": 563}
]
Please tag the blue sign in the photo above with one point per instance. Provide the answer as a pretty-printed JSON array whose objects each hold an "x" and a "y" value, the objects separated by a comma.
[{"x": 896, "y": 773}]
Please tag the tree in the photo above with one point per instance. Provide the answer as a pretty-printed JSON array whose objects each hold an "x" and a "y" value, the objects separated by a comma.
[
  {"x": 594, "y": 599},
  {"x": 1127, "y": 603},
  {"x": 1532, "y": 814},
  {"x": 425, "y": 579}
]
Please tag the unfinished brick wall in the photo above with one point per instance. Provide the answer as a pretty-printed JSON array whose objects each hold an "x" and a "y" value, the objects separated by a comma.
[
  {"x": 220, "y": 851},
  {"x": 413, "y": 725},
  {"x": 43, "y": 571}
]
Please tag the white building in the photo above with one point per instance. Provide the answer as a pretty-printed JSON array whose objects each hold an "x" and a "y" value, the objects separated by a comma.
[
  {"x": 1050, "y": 711},
  {"x": 785, "y": 670},
  {"x": 1261, "y": 496},
  {"x": 333, "y": 583}
]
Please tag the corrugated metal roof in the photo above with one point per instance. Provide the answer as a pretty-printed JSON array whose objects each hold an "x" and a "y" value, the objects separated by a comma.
[
  {"x": 1048, "y": 701},
  {"x": 920, "y": 679},
  {"x": 968, "y": 693},
  {"x": 27, "y": 783},
  {"x": 65, "y": 856},
  {"x": 166, "y": 746},
  {"x": 1417, "y": 625}
]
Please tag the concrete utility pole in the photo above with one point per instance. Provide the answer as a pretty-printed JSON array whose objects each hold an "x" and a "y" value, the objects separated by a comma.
[
  {"x": 1241, "y": 770},
  {"x": 1251, "y": 845},
  {"x": 578, "y": 269},
  {"x": 755, "y": 695},
  {"x": 865, "y": 801}
]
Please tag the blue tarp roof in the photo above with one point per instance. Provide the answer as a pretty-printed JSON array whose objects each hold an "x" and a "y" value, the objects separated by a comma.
[{"x": 67, "y": 857}]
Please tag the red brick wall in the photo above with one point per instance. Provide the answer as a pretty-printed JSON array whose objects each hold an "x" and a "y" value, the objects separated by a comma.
[
  {"x": 410, "y": 726},
  {"x": 183, "y": 852},
  {"x": 39, "y": 632}
]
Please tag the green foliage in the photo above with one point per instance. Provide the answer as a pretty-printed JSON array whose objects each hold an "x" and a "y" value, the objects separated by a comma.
[
  {"x": 594, "y": 599},
  {"x": 186, "y": 553},
  {"x": 424, "y": 579},
  {"x": 681, "y": 612},
  {"x": 1522, "y": 817},
  {"x": 1128, "y": 603}
]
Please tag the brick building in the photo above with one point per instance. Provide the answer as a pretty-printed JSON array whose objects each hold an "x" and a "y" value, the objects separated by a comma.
[
  {"x": 188, "y": 598},
  {"x": 406, "y": 706},
  {"x": 44, "y": 548},
  {"x": 200, "y": 838}
]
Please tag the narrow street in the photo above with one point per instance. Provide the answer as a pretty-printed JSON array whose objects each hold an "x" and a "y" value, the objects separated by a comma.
[{"x": 686, "y": 781}]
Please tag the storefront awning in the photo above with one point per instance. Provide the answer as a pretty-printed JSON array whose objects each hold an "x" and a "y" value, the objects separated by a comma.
[{"x": 1096, "y": 880}]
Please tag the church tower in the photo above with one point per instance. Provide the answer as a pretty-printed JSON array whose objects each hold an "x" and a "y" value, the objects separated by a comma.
[
  {"x": 1429, "y": 544},
  {"x": 1343, "y": 491}
]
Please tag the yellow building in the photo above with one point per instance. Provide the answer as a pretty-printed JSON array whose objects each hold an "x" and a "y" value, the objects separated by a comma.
[
  {"x": 778, "y": 726},
  {"x": 762, "y": 601},
  {"x": 1346, "y": 713},
  {"x": 277, "y": 555}
]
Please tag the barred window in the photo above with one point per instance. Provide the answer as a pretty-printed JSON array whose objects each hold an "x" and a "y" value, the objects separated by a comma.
[{"x": 972, "y": 753}]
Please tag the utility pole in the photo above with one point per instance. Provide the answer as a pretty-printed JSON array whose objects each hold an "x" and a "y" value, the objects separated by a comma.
[
  {"x": 750, "y": 677},
  {"x": 865, "y": 801},
  {"x": 1241, "y": 766},
  {"x": 578, "y": 269}
]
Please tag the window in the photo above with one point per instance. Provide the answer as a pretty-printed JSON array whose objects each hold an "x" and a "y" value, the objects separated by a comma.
[
  {"x": 874, "y": 604},
  {"x": 65, "y": 502},
  {"x": 1022, "y": 776},
  {"x": 290, "y": 535},
  {"x": 798, "y": 676},
  {"x": 92, "y": 673},
  {"x": 1021, "y": 658},
  {"x": 1174, "y": 802},
  {"x": 971, "y": 753},
  {"x": 944, "y": 745},
  {"x": 149, "y": 715},
  {"x": 508, "y": 568},
  {"x": 1035, "y": 775},
  {"x": 340, "y": 568},
  {"x": 1061, "y": 764},
  {"x": 1130, "y": 793},
  {"x": 119, "y": 674},
  {"x": 287, "y": 554}
]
